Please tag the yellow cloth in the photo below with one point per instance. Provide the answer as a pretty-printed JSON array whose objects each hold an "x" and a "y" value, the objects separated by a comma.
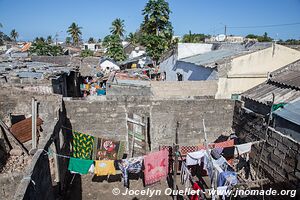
[
  {"x": 133, "y": 65},
  {"x": 104, "y": 167}
]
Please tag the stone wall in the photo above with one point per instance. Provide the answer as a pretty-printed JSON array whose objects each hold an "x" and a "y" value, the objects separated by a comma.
[
  {"x": 280, "y": 155},
  {"x": 107, "y": 117}
]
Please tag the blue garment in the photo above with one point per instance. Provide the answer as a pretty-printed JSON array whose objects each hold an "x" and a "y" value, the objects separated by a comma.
[
  {"x": 229, "y": 176},
  {"x": 101, "y": 92},
  {"x": 131, "y": 165}
]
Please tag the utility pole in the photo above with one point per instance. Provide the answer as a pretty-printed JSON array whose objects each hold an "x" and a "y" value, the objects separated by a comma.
[{"x": 225, "y": 30}]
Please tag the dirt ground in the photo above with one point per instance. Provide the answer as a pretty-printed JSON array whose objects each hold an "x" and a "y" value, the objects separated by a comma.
[{"x": 88, "y": 187}]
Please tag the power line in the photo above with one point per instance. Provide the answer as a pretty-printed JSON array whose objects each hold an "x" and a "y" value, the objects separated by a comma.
[{"x": 265, "y": 26}]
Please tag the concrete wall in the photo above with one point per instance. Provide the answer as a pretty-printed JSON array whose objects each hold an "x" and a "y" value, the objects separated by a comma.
[
  {"x": 251, "y": 69},
  {"x": 280, "y": 155},
  {"x": 107, "y": 118},
  {"x": 51, "y": 111},
  {"x": 191, "y": 49},
  {"x": 179, "y": 89},
  {"x": 162, "y": 89}
]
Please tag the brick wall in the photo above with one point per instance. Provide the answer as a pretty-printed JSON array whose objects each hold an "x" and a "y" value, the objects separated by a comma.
[{"x": 280, "y": 155}]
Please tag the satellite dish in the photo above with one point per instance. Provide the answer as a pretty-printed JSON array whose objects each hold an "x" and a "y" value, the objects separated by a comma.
[{"x": 221, "y": 38}]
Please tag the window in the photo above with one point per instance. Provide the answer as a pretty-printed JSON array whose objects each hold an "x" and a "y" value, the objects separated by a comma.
[{"x": 179, "y": 77}]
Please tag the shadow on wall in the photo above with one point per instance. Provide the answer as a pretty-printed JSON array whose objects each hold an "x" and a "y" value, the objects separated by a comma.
[
  {"x": 197, "y": 72},
  {"x": 59, "y": 142}
]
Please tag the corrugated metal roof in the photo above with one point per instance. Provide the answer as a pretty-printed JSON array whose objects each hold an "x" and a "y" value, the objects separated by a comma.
[
  {"x": 22, "y": 129},
  {"x": 289, "y": 78},
  {"x": 290, "y": 112},
  {"x": 263, "y": 93},
  {"x": 210, "y": 57}
]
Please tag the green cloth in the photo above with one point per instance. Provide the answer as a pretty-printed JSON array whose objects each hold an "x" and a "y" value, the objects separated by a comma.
[
  {"x": 79, "y": 165},
  {"x": 277, "y": 106},
  {"x": 82, "y": 145}
]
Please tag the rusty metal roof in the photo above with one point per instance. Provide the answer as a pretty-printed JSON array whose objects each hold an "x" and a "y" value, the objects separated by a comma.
[{"x": 22, "y": 129}]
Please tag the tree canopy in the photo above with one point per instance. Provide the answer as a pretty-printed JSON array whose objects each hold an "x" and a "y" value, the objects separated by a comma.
[
  {"x": 263, "y": 38},
  {"x": 75, "y": 32},
  {"x": 91, "y": 40},
  {"x": 194, "y": 37},
  {"x": 40, "y": 47},
  {"x": 14, "y": 35},
  {"x": 49, "y": 39},
  {"x": 157, "y": 30},
  {"x": 114, "y": 48},
  {"x": 118, "y": 27}
]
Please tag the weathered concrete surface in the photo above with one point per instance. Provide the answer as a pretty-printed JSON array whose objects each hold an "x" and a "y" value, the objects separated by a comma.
[
  {"x": 51, "y": 110},
  {"x": 170, "y": 89},
  {"x": 107, "y": 118}
]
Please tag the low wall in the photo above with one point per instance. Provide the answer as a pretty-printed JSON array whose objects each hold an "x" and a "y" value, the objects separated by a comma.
[
  {"x": 108, "y": 118},
  {"x": 164, "y": 89}
]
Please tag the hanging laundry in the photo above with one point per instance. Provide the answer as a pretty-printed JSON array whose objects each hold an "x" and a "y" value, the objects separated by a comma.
[
  {"x": 92, "y": 169},
  {"x": 196, "y": 187},
  {"x": 185, "y": 175},
  {"x": 184, "y": 150},
  {"x": 242, "y": 148},
  {"x": 131, "y": 165},
  {"x": 80, "y": 166},
  {"x": 227, "y": 178},
  {"x": 201, "y": 147},
  {"x": 104, "y": 167},
  {"x": 82, "y": 145},
  {"x": 106, "y": 149},
  {"x": 156, "y": 166},
  {"x": 226, "y": 144},
  {"x": 194, "y": 158}
]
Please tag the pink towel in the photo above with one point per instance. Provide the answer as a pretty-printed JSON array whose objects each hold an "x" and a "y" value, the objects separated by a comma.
[{"x": 156, "y": 166}]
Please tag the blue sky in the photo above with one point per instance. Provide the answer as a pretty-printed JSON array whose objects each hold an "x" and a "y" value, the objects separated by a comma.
[{"x": 33, "y": 18}]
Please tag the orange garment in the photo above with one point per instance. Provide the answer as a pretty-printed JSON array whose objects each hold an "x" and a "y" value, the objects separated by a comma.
[
  {"x": 228, "y": 143},
  {"x": 104, "y": 167}
]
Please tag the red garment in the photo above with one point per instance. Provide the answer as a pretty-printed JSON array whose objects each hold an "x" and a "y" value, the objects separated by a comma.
[
  {"x": 184, "y": 150},
  {"x": 228, "y": 143},
  {"x": 196, "y": 196},
  {"x": 156, "y": 166}
]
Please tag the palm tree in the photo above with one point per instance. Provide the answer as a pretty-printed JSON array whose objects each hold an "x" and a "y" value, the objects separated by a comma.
[
  {"x": 75, "y": 32},
  {"x": 118, "y": 27},
  {"x": 14, "y": 35}
]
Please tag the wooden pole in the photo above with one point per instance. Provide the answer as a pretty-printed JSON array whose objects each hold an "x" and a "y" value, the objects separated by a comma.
[
  {"x": 33, "y": 123},
  {"x": 175, "y": 153}
]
